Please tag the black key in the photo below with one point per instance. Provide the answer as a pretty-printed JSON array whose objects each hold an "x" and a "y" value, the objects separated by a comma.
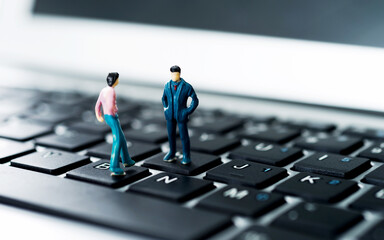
[
  {"x": 98, "y": 173},
  {"x": 70, "y": 140},
  {"x": 218, "y": 125},
  {"x": 333, "y": 165},
  {"x": 375, "y": 233},
  {"x": 151, "y": 133},
  {"x": 64, "y": 98},
  {"x": 211, "y": 144},
  {"x": 150, "y": 115},
  {"x": 333, "y": 144},
  {"x": 138, "y": 151},
  {"x": 375, "y": 152},
  {"x": 313, "y": 126},
  {"x": 236, "y": 200},
  {"x": 267, "y": 153},
  {"x": 318, "y": 220},
  {"x": 263, "y": 132},
  {"x": 172, "y": 186},
  {"x": 200, "y": 163},
  {"x": 313, "y": 187},
  {"x": 51, "y": 161},
  {"x": 268, "y": 233},
  {"x": 11, "y": 149},
  {"x": 365, "y": 133},
  {"x": 375, "y": 177},
  {"x": 14, "y": 106},
  {"x": 53, "y": 113},
  {"x": 106, "y": 207},
  {"x": 247, "y": 173},
  {"x": 371, "y": 200},
  {"x": 23, "y": 130},
  {"x": 262, "y": 119}
]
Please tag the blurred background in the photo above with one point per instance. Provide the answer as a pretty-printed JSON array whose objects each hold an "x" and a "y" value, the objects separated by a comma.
[{"x": 323, "y": 52}]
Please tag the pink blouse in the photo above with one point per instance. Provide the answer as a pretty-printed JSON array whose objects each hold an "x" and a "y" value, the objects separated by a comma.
[{"x": 107, "y": 100}]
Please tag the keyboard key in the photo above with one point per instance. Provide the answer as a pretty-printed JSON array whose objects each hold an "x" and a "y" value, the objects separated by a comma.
[
  {"x": 375, "y": 152},
  {"x": 200, "y": 163},
  {"x": 173, "y": 187},
  {"x": 371, "y": 200},
  {"x": 106, "y": 207},
  {"x": 313, "y": 187},
  {"x": 246, "y": 173},
  {"x": 268, "y": 233},
  {"x": 375, "y": 177},
  {"x": 261, "y": 119},
  {"x": 219, "y": 125},
  {"x": 365, "y": 133},
  {"x": 23, "y": 130},
  {"x": 242, "y": 201},
  {"x": 313, "y": 126},
  {"x": 11, "y": 149},
  {"x": 333, "y": 165},
  {"x": 262, "y": 132},
  {"x": 151, "y": 115},
  {"x": 98, "y": 173},
  {"x": 51, "y": 161},
  {"x": 375, "y": 233},
  {"x": 151, "y": 133},
  {"x": 333, "y": 144},
  {"x": 14, "y": 107},
  {"x": 70, "y": 140},
  {"x": 318, "y": 220},
  {"x": 53, "y": 113},
  {"x": 267, "y": 153},
  {"x": 138, "y": 151},
  {"x": 211, "y": 144},
  {"x": 64, "y": 98}
]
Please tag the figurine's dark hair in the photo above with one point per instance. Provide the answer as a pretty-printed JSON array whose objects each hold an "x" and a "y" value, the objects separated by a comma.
[
  {"x": 175, "y": 69},
  {"x": 112, "y": 77}
]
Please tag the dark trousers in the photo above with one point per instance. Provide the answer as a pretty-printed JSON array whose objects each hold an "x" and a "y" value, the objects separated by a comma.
[{"x": 183, "y": 130}]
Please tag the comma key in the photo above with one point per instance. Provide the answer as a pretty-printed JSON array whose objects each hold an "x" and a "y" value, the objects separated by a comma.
[
  {"x": 319, "y": 220},
  {"x": 372, "y": 200}
]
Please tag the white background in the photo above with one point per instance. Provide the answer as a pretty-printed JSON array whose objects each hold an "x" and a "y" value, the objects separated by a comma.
[{"x": 313, "y": 72}]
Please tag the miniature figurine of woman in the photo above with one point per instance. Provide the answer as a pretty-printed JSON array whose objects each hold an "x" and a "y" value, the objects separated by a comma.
[{"x": 107, "y": 100}]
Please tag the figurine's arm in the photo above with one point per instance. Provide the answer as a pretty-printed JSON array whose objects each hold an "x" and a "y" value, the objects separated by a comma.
[
  {"x": 114, "y": 102},
  {"x": 194, "y": 103},
  {"x": 98, "y": 112},
  {"x": 164, "y": 100}
]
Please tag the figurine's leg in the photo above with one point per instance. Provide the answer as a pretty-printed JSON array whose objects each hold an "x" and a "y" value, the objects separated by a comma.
[
  {"x": 184, "y": 136},
  {"x": 116, "y": 146},
  {"x": 171, "y": 127},
  {"x": 127, "y": 160}
]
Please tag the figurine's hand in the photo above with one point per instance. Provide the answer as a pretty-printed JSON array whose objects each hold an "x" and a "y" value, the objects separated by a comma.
[{"x": 100, "y": 118}]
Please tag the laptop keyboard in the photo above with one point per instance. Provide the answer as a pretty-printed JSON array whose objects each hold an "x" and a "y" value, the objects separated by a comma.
[{"x": 251, "y": 177}]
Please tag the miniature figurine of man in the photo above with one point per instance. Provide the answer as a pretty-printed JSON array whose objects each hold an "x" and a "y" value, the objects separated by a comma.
[
  {"x": 107, "y": 100},
  {"x": 175, "y": 96}
]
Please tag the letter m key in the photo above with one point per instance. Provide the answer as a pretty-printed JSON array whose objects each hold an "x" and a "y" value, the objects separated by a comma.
[{"x": 235, "y": 193}]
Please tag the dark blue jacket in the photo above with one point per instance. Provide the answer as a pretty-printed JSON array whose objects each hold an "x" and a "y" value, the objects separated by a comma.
[{"x": 184, "y": 90}]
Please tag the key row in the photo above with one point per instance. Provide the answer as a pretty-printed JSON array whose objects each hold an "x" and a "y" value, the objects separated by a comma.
[
  {"x": 321, "y": 163},
  {"x": 129, "y": 211}
]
